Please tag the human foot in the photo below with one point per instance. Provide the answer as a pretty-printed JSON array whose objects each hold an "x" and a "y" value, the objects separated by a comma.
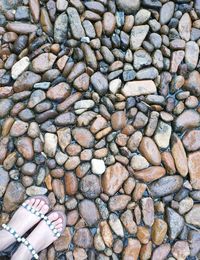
[
  {"x": 42, "y": 236},
  {"x": 23, "y": 219}
]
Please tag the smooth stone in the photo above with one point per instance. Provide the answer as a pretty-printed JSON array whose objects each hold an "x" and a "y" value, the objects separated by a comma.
[
  {"x": 83, "y": 137},
  {"x": 161, "y": 252},
  {"x": 118, "y": 202},
  {"x": 192, "y": 217},
  {"x": 194, "y": 169},
  {"x": 141, "y": 59},
  {"x": 191, "y": 140},
  {"x": 13, "y": 197},
  {"x": 148, "y": 211},
  {"x": 150, "y": 151},
  {"x": 132, "y": 250},
  {"x": 138, "y": 162},
  {"x": 89, "y": 212},
  {"x": 162, "y": 134},
  {"x": 4, "y": 180},
  {"x": 59, "y": 92},
  {"x": 179, "y": 155},
  {"x": 19, "y": 67},
  {"x": 64, "y": 119},
  {"x": 90, "y": 186},
  {"x": 138, "y": 34},
  {"x": 36, "y": 97},
  {"x": 35, "y": 191},
  {"x": 166, "y": 12},
  {"x": 166, "y": 186},
  {"x": 5, "y": 107},
  {"x": 116, "y": 225},
  {"x": 75, "y": 23},
  {"x": 147, "y": 73},
  {"x": 25, "y": 147},
  {"x": 118, "y": 120},
  {"x": 98, "y": 166},
  {"x": 43, "y": 62},
  {"x": 184, "y": 27},
  {"x": 21, "y": 28},
  {"x": 109, "y": 23},
  {"x": 137, "y": 88},
  {"x": 100, "y": 83},
  {"x": 84, "y": 104},
  {"x": 128, "y": 6},
  {"x": 106, "y": 233},
  {"x": 83, "y": 238},
  {"x": 142, "y": 16},
  {"x": 26, "y": 81},
  {"x": 113, "y": 178},
  {"x": 61, "y": 28},
  {"x": 187, "y": 120},
  {"x": 150, "y": 174},
  {"x": 192, "y": 83},
  {"x": 50, "y": 144},
  {"x": 159, "y": 231},
  {"x": 177, "y": 58},
  {"x": 191, "y": 54},
  {"x": 18, "y": 128},
  {"x": 181, "y": 250},
  {"x": 175, "y": 223}
]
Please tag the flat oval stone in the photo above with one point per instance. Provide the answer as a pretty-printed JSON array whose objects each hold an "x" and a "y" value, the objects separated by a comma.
[
  {"x": 166, "y": 185},
  {"x": 191, "y": 140},
  {"x": 83, "y": 136},
  {"x": 43, "y": 62},
  {"x": 150, "y": 174}
]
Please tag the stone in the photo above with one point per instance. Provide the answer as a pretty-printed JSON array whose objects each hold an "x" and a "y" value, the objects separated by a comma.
[
  {"x": 18, "y": 128},
  {"x": 138, "y": 34},
  {"x": 185, "y": 205},
  {"x": 64, "y": 137},
  {"x": 36, "y": 191},
  {"x": 128, "y": 222},
  {"x": 19, "y": 67},
  {"x": 192, "y": 217},
  {"x": 181, "y": 250},
  {"x": 90, "y": 186},
  {"x": 4, "y": 180},
  {"x": 83, "y": 137},
  {"x": 192, "y": 83},
  {"x": 109, "y": 23},
  {"x": 118, "y": 202},
  {"x": 61, "y": 28},
  {"x": 21, "y": 28},
  {"x": 116, "y": 225},
  {"x": 25, "y": 147},
  {"x": 194, "y": 169},
  {"x": 50, "y": 144},
  {"x": 82, "y": 82},
  {"x": 98, "y": 166},
  {"x": 75, "y": 23},
  {"x": 43, "y": 62},
  {"x": 118, "y": 120},
  {"x": 150, "y": 151},
  {"x": 13, "y": 197},
  {"x": 150, "y": 174},
  {"x": 159, "y": 231},
  {"x": 5, "y": 107},
  {"x": 175, "y": 223},
  {"x": 26, "y": 81},
  {"x": 161, "y": 252},
  {"x": 113, "y": 178},
  {"x": 71, "y": 183},
  {"x": 148, "y": 211},
  {"x": 59, "y": 92},
  {"x": 187, "y": 120},
  {"x": 128, "y": 6},
  {"x": 84, "y": 104},
  {"x": 179, "y": 155},
  {"x": 137, "y": 88},
  {"x": 191, "y": 54},
  {"x": 191, "y": 140},
  {"x": 100, "y": 83},
  {"x": 166, "y": 186},
  {"x": 166, "y": 12},
  {"x": 141, "y": 59},
  {"x": 89, "y": 212},
  {"x": 177, "y": 58},
  {"x": 106, "y": 233},
  {"x": 184, "y": 27},
  {"x": 132, "y": 250},
  {"x": 162, "y": 134},
  {"x": 142, "y": 16},
  {"x": 83, "y": 238},
  {"x": 138, "y": 162},
  {"x": 63, "y": 242}
]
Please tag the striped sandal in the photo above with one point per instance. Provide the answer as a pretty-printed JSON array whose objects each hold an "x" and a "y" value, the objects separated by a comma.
[{"x": 37, "y": 233}]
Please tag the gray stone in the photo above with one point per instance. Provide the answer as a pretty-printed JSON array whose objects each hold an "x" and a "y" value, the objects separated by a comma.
[
  {"x": 138, "y": 34},
  {"x": 166, "y": 12},
  {"x": 75, "y": 23},
  {"x": 141, "y": 59},
  {"x": 100, "y": 83},
  {"x": 175, "y": 223},
  {"x": 128, "y": 6},
  {"x": 61, "y": 28}
]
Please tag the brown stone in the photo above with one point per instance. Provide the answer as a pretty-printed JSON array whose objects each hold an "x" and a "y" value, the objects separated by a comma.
[
  {"x": 128, "y": 222},
  {"x": 150, "y": 174},
  {"x": 161, "y": 252},
  {"x": 21, "y": 28},
  {"x": 132, "y": 250},
  {"x": 106, "y": 233},
  {"x": 71, "y": 183},
  {"x": 83, "y": 136},
  {"x": 58, "y": 189},
  {"x": 191, "y": 140},
  {"x": 25, "y": 147},
  {"x": 118, "y": 120},
  {"x": 150, "y": 151},
  {"x": 168, "y": 162},
  {"x": 109, "y": 23},
  {"x": 98, "y": 124},
  {"x": 118, "y": 202},
  {"x": 63, "y": 242},
  {"x": 82, "y": 82},
  {"x": 181, "y": 250},
  {"x": 148, "y": 211},
  {"x": 113, "y": 178},
  {"x": 143, "y": 234},
  {"x": 146, "y": 250},
  {"x": 159, "y": 230},
  {"x": 83, "y": 238},
  {"x": 179, "y": 155},
  {"x": 89, "y": 212},
  {"x": 43, "y": 62},
  {"x": 59, "y": 92},
  {"x": 194, "y": 169},
  {"x": 26, "y": 81}
]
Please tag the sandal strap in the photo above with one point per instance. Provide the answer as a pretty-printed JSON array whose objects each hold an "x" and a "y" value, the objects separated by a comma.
[
  {"x": 12, "y": 232},
  {"x": 43, "y": 217},
  {"x": 30, "y": 247}
]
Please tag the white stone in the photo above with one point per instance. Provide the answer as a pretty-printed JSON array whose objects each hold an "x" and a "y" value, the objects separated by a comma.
[
  {"x": 142, "y": 16},
  {"x": 36, "y": 190},
  {"x": 137, "y": 88},
  {"x": 50, "y": 144},
  {"x": 185, "y": 26},
  {"x": 19, "y": 67},
  {"x": 115, "y": 85},
  {"x": 191, "y": 54},
  {"x": 84, "y": 104},
  {"x": 185, "y": 205},
  {"x": 116, "y": 225},
  {"x": 138, "y": 34},
  {"x": 138, "y": 162},
  {"x": 163, "y": 134},
  {"x": 61, "y": 158},
  {"x": 98, "y": 166}
]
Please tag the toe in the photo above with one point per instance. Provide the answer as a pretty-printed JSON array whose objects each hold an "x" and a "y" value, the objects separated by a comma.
[
  {"x": 39, "y": 206},
  {"x": 58, "y": 226},
  {"x": 53, "y": 216},
  {"x": 58, "y": 221},
  {"x": 59, "y": 229},
  {"x": 30, "y": 202},
  {"x": 44, "y": 209},
  {"x": 37, "y": 201}
]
